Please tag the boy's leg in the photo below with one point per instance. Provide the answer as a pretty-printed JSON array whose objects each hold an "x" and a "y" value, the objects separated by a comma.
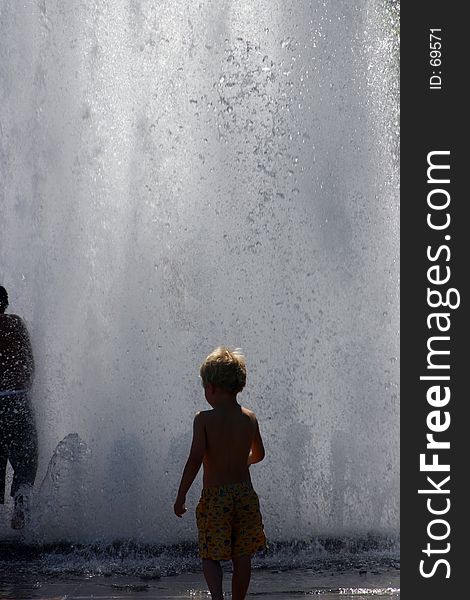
[
  {"x": 241, "y": 576},
  {"x": 213, "y": 573}
]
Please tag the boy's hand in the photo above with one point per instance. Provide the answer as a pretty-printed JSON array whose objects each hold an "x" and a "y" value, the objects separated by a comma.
[{"x": 179, "y": 507}]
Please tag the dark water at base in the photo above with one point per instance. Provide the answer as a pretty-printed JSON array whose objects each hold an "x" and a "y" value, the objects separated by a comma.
[
  {"x": 136, "y": 559},
  {"x": 285, "y": 585}
]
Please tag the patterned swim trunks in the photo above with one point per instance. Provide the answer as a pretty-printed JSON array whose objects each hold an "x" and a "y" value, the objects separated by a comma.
[{"x": 229, "y": 521}]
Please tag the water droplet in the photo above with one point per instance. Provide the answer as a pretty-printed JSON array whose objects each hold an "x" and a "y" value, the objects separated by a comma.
[{"x": 286, "y": 42}]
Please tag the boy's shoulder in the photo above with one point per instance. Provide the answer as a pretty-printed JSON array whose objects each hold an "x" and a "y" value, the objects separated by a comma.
[
  {"x": 250, "y": 413},
  {"x": 204, "y": 414}
]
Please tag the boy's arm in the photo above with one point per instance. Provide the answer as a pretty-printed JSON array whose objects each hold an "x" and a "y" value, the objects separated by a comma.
[
  {"x": 193, "y": 464},
  {"x": 257, "y": 448}
]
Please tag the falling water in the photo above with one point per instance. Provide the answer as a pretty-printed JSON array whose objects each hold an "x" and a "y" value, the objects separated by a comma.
[{"x": 176, "y": 175}]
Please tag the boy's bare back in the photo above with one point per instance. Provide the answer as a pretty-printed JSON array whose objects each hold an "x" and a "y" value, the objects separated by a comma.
[{"x": 229, "y": 433}]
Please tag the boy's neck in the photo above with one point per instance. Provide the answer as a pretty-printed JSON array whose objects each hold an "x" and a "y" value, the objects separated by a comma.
[{"x": 224, "y": 399}]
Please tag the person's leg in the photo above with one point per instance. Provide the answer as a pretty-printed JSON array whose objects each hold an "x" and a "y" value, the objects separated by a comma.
[
  {"x": 5, "y": 441},
  {"x": 24, "y": 460},
  {"x": 3, "y": 473},
  {"x": 22, "y": 507},
  {"x": 241, "y": 576},
  {"x": 213, "y": 574}
]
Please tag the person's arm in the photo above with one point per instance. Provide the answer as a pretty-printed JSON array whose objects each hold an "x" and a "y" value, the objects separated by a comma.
[
  {"x": 257, "y": 448},
  {"x": 28, "y": 356},
  {"x": 193, "y": 464}
]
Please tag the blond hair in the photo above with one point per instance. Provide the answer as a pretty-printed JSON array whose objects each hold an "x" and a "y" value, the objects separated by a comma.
[{"x": 225, "y": 368}]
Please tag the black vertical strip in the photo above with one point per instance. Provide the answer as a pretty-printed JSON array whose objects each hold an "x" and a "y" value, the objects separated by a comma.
[{"x": 433, "y": 120}]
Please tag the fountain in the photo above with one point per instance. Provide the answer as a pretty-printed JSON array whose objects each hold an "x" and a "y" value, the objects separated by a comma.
[{"x": 178, "y": 175}]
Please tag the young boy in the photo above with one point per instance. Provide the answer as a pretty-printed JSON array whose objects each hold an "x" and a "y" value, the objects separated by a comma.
[{"x": 226, "y": 440}]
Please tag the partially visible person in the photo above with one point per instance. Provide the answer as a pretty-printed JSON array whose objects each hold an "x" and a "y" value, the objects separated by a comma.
[{"x": 18, "y": 436}]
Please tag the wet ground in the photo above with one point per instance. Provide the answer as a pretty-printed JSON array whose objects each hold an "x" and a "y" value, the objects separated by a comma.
[{"x": 281, "y": 585}]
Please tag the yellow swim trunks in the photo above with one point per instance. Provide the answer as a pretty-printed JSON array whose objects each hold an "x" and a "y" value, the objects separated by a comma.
[{"x": 229, "y": 521}]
